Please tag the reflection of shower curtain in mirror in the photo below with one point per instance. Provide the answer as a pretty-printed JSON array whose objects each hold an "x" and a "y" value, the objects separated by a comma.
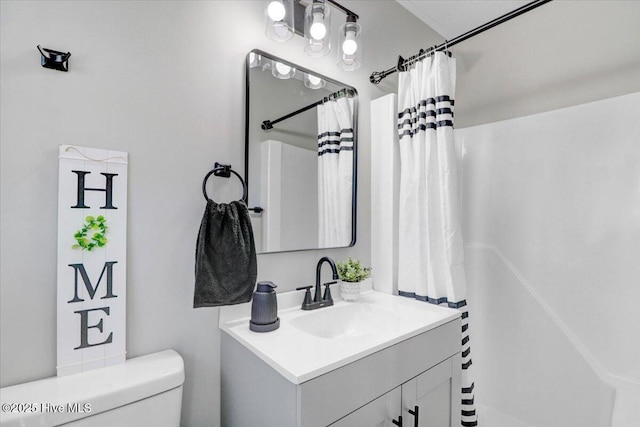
[{"x": 335, "y": 172}]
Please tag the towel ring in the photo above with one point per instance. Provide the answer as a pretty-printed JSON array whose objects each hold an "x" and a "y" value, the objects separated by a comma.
[{"x": 225, "y": 171}]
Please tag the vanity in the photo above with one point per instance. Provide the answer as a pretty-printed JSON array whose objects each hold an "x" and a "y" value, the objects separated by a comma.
[{"x": 383, "y": 360}]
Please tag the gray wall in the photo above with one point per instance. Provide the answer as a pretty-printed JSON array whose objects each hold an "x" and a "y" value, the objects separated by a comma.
[{"x": 164, "y": 81}]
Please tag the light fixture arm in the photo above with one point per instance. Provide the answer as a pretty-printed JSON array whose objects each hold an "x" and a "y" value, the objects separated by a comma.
[
  {"x": 351, "y": 19},
  {"x": 342, "y": 8}
]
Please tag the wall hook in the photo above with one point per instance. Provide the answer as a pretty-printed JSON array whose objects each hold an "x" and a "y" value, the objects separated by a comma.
[{"x": 54, "y": 59}]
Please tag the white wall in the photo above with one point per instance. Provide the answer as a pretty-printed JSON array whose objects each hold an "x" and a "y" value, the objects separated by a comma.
[
  {"x": 164, "y": 81},
  {"x": 561, "y": 54},
  {"x": 289, "y": 193},
  {"x": 551, "y": 218}
]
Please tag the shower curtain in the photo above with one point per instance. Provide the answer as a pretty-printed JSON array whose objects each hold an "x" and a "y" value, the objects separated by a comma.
[
  {"x": 335, "y": 171},
  {"x": 430, "y": 251}
]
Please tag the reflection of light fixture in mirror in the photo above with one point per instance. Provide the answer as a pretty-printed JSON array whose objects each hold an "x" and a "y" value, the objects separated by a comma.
[
  {"x": 350, "y": 46},
  {"x": 313, "y": 82},
  {"x": 282, "y": 71},
  {"x": 254, "y": 59},
  {"x": 317, "y": 26},
  {"x": 278, "y": 16}
]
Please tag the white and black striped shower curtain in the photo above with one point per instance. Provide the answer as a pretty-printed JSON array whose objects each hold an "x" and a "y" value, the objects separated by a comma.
[
  {"x": 335, "y": 172},
  {"x": 430, "y": 251}
]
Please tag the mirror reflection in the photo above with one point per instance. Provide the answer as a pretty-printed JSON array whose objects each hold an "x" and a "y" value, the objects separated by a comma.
[{"x": 300, "y": 156}]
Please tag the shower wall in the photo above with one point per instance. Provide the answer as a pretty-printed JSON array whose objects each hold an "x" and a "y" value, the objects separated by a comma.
[{"x": 551, "y": 217}]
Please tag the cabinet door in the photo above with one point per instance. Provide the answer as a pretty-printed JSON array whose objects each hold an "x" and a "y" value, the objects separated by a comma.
[
  {"x": 429, "y": 398},
  {"x": 378, "y": 413}
]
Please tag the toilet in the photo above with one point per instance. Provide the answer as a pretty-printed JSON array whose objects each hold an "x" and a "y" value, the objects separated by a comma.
[{"x": 143, "y": 391}]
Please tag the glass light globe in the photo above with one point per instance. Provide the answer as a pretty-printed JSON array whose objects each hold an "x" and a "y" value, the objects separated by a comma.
[
  {"x": 314, "y": 80},
  {"x": 283, "y": 69},
  {"x": 318, "y": 29},
  {"x": 253, "y": 60},
  {"x": 281, "y": 30},
  {"x": 350, "y": 45},
  {"x": 276, "y": 11},
  {"x": 349, "y": 55}
]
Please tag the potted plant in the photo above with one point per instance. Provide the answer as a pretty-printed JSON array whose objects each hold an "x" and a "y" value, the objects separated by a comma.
[{"x": 352, "y": 274}]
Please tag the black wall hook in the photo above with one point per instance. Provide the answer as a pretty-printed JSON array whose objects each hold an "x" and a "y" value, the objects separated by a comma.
[{"x": 54, "y": 59}]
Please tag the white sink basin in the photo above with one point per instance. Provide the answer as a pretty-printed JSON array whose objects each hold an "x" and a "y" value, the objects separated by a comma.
[
  {"x": 344, "y": 321},
  {"x": 310, "y": 343}
]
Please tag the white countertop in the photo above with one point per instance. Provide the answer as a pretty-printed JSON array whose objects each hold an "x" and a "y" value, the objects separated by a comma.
[{"x": 381, "y": 320}]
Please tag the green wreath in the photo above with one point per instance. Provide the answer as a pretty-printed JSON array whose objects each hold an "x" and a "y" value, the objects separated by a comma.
[{"x": 98, "y": 228}]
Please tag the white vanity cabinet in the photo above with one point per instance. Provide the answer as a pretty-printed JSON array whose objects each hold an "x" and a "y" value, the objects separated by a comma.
[
  {"x": 429, "y": 396},
  {"x": 379, "y": 413},
  {"x": 422, "y": 371},
  {"x": 424, "y": 401}
]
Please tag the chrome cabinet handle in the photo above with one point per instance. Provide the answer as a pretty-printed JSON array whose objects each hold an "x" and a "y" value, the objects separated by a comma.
[{"x": 416, "y": 415}]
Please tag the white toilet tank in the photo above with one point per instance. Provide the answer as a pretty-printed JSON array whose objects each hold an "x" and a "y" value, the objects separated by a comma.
[{"x": 145, "y": 391}]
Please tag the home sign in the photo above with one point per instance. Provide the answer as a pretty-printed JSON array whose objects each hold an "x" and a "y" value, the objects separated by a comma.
[{"x": 92, "y": 258}]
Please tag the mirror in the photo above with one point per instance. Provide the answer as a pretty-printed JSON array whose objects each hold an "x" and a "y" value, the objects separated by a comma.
[{"x": 300, "y": 156}]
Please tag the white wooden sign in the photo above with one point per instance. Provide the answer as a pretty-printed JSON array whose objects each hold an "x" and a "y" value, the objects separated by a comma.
[{"x": 92, "y": 258}]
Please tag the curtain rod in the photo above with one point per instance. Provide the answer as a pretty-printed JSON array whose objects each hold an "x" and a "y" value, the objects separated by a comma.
[
  {"x": 377, "y": 76},
  {"x": 268, "y": 124}
]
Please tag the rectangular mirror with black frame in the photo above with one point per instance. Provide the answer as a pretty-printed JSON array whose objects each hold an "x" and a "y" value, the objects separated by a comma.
[{"x": 300, "y": 156}]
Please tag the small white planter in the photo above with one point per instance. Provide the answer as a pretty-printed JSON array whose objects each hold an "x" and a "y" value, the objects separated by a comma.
[{"x": 351, "y": 290}]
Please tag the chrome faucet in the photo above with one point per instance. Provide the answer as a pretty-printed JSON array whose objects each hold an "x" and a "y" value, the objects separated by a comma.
[{"x": 319, "y": 300}]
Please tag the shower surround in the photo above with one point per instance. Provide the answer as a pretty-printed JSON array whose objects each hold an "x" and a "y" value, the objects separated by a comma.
[{"x": 551, "y": 218}]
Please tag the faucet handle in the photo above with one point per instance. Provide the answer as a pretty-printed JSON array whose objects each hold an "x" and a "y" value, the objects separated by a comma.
[
  {"x": 307, "y": 295},
  {"x": 327, "y": 292}
]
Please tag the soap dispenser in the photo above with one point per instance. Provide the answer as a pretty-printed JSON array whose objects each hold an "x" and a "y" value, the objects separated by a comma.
[{"x": 264, "y": 309}]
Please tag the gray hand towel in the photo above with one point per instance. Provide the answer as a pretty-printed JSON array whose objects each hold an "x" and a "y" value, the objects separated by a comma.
[{"x": 226, "y": 266}]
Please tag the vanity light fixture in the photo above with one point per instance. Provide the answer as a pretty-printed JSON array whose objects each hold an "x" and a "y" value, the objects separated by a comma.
[
  {"x": 279, "y": 21},
  {"x": 281, "y": 25},
  {"x": 282, "y": 71},
  {"x": 317, "y": 29},
  {"x": 349, "y": 51},
  {"x": 313, "y": 82}
]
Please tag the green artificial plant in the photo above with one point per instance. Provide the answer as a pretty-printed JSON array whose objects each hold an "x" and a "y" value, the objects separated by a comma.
[{"x": 352, "y": 270}]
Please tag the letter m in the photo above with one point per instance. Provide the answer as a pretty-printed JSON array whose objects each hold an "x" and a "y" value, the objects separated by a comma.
[{"x": 79, "y": 269}]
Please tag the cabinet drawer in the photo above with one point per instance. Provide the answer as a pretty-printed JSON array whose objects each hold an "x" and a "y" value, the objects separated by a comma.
[{"x": 331, "y": 396}]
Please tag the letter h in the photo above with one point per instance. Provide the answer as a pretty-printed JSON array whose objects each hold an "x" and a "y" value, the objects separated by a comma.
[{"x": 108, "y": 204}]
